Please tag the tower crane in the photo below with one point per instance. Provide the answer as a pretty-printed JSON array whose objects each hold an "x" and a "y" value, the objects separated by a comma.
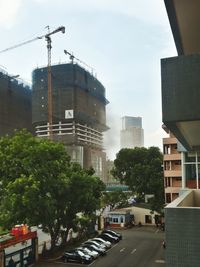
[
  {"x": 48, "y": 39},
  {"x": 72, "y": 57}
]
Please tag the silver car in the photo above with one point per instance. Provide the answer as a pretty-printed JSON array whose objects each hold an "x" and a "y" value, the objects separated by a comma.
[
  {"x": 102, "y": 241},
  {"x": 92, "y": 253},
  {"x": 92, "y": 242}
]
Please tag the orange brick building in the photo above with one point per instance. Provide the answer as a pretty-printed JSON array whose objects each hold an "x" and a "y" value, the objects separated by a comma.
[{"x": 172, "y": 167}]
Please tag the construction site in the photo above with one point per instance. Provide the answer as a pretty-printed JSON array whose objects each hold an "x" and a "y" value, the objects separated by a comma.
[{"x": 65, "y": 103}]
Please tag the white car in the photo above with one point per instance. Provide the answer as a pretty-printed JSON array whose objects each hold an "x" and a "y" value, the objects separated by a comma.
[
  {"x": 92, "y": 242},
  {"x": 90, "y": 252},
  {"x": 102, "y": 241}
]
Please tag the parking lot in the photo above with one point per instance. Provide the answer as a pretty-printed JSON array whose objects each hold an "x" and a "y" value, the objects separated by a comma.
[{"x": 140, "y": 246}]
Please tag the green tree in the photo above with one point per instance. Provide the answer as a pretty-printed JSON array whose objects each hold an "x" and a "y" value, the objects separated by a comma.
[
  {"x": 41, "y": 186},
  {"x": 141, "y": 169},
  {"x": 114, "y": 199}
]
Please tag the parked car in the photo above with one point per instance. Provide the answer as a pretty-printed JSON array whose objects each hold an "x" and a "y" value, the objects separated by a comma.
[
  {"x": 111, "y": 232},
  {"x": 92, "y": 253},
  {"x": 102, "y": 241},
  {"x": 76, "y": 256},
  {"x": 101, "y": 251},
  {"x": 96, "y": 244},
  {"x": 108, "y": 237}
]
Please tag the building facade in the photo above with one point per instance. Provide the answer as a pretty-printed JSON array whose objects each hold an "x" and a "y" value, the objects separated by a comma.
[
  {"x": 131, "y": 134},
  {"x": 181, "y": 114},
  {"x": 78, "y": 113},
  {"x": 15, "y": 104},
  {"x": 182, "y": 230},
  {"x": 190, "y": 169},
  {"x": 181, "y": 167},
  {"x": 172, "y": 167}
]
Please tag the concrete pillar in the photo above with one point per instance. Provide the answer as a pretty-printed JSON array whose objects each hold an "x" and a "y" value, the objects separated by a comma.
[
  {"x": 34, "y": 242},
  {"x": 197, "y": 172},
  {"x": 183, "y": 170}
]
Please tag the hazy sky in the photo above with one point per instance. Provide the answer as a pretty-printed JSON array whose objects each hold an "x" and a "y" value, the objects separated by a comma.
[{"x": 123, "y": 40}]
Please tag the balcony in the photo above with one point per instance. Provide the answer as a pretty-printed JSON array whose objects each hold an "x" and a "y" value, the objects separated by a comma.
[
  {"x": 181, "y": 98},
  {"x": 174, "y": 190},
  {"x": 170, "y": 157},
  {"x": 172, "y": 173},
  {"x": 169, "y": 141}
]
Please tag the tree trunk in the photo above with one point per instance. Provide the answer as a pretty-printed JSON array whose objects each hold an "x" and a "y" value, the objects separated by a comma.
[
  {"x": 54, "y": 233},
  {"x": 64, "y": 235}
]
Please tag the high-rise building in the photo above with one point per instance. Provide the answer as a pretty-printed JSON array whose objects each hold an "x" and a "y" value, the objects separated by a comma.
[
  {"x": 15, "y": 104},
  {"x": 131, "y": 134},
  {"x": 78, "y": 113}
]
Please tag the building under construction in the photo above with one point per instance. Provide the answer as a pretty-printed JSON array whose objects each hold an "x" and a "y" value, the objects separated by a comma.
[
  {"x": 15, "y": 104},
  {"x": 78, "y": 112}
]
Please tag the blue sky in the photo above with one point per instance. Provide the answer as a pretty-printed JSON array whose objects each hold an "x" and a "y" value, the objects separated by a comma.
[{"x": 123, "y": 40}]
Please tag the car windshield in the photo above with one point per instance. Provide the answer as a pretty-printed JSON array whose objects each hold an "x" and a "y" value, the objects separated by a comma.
[
  {"x": 93, "y": 243},
  {"x": 107, "y": 234},
  {"x": 88, "y": 249},
  {"x": 100, "y": 240},
  {"x": 93, "y": 246},
  {"x": 80, "y": 253},
  {"x": 112, "y": 233}
]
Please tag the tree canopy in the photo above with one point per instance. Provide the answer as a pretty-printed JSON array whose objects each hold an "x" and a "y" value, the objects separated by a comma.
[
  {"x": 141, "y": 169},
  {"x": 39, "y": 185},
  {"x": 115, "y": 199}
]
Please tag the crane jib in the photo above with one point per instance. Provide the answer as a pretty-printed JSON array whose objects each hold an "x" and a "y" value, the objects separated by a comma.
[{"x": 61, "y": 28}]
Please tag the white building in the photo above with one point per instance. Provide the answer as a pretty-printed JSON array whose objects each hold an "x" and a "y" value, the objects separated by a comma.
[{"x": 132, "y": 133}]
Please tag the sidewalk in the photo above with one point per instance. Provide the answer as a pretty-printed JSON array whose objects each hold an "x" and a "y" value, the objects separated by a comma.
[{"x": 48, "y": 263}]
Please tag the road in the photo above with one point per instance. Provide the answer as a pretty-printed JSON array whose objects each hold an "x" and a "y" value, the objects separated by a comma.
[{"x": 140, "y": 247}]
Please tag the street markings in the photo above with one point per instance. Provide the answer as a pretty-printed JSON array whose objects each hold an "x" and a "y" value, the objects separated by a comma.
[
  {"x": 113, "y": 246},
  {"x": 159, "y": 261},
  {"x": 121, "y": 250},
  {"x": 133, "y": 251}
]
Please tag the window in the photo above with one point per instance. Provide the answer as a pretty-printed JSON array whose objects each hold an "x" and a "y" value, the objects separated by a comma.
[
  {"x": 115, "y": 220},
  {"x": 190, "y": 157},
  {"x": 166, "y": 149},
  {"x": 167, "y": 182},
  {"x": 168, "y": 197},
  {"x": 167, "y": 165},
  {"x": 190, "y": 171},
  {"x": 148, "y": 219}
]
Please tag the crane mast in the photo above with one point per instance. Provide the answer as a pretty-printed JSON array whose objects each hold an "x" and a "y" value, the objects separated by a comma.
[{"x": 50, "y": 104}]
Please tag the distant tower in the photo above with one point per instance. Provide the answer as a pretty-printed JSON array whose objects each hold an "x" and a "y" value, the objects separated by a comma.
[{"x": 132, "y": 134}]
